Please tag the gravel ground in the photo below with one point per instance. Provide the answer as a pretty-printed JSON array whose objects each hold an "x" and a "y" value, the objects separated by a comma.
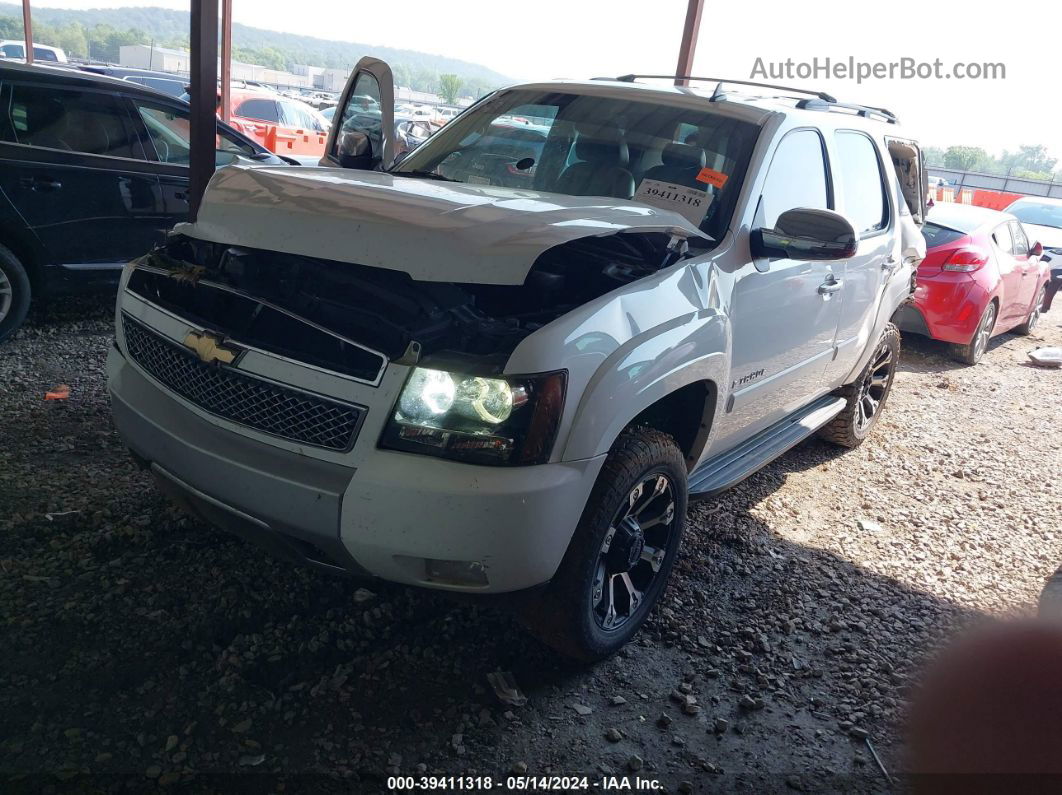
[{"x": 143, "y": 649}]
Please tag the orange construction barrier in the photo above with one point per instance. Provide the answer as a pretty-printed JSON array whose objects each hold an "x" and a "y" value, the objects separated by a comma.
[{"x": 992, "y": 199}]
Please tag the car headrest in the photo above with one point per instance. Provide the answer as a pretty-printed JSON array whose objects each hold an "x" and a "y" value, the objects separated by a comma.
[
  {"x": 676, "y": 154},
  {"x": 43, "y": 113},
  {"x": 605, "y": 151}
]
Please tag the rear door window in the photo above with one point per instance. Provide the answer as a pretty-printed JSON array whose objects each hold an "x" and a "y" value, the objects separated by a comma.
[
  {"x": 298, "y": 117},
  {"x": 862, "y": 182},
  {"x": 70, "y": 120},
  {"x": 797, "y": 177},
  {"x": 260, "y": 109}
]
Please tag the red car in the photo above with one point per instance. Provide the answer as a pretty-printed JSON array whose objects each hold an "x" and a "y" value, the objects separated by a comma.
[{"x": 982, "y": 276}]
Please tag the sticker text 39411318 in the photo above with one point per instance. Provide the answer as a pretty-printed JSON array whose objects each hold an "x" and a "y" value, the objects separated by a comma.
[{"x": 690, "y": 203}]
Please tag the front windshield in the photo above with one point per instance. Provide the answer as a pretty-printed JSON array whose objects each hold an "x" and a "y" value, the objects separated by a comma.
[
  {"x": 1038, "y": 214},
  {"x": 690, "y": 160}
]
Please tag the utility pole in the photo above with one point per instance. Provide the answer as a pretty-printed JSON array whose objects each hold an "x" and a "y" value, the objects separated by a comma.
[
  {"x": 226, "y": 57},
  {"x": 27, "y": 30},
  {"x": 688, "y": 45},
  {"x": 204, "y": 94}
]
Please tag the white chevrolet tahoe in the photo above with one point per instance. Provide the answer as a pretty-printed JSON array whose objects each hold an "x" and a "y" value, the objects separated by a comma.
[{"x": 507, "y": 361}]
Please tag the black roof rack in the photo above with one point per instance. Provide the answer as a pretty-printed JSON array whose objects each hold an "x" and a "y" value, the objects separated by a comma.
[
  {"x": 821, "y": 100},
  {"x": 820, "y": 94},
  {"x": 866, "y": 111}
]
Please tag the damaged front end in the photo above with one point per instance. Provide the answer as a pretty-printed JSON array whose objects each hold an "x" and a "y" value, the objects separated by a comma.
[{"x": 352, "y": 319}]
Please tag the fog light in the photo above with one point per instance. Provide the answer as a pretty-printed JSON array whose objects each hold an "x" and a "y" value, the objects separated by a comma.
[{"x": 456, "y": 572}]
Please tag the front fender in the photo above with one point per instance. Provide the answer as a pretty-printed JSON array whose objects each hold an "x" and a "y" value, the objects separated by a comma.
[{"x": 645, "y": 370}]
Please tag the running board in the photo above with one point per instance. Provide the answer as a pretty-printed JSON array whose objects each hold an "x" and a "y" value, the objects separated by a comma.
[{"x": 730, "y": 468}]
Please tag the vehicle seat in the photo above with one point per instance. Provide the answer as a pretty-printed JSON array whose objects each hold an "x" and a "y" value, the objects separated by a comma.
[
  {"x": 681, "y": 165},
  {"x": 46, "y": 124},
  {"x": 602, "y": 170}
]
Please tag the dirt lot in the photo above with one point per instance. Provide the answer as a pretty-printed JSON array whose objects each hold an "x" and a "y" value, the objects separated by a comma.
[{"x": 141, "y": 648}]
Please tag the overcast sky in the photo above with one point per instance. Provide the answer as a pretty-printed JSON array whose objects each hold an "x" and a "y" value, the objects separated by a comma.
[{"x": 573, "y": 38}]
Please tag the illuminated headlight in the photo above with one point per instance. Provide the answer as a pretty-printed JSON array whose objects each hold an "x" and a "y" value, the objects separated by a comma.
[{"x": 476, "y": 418}]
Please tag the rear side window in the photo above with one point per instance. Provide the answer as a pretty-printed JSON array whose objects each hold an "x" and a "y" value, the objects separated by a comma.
[
  {"x": 298, "y": 117},
  {"x": 261, "y": 109},
  {"x": 937, "y": 235},
  {"x": 861, "y": 177},
  {"x": 44, "y": 55},
  {"x": 797, "y": 177},
  {"x": 68, "y": 120}
]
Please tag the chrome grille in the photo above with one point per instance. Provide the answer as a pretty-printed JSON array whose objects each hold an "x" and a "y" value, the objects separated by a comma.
[{"x": 245, "y": 399}]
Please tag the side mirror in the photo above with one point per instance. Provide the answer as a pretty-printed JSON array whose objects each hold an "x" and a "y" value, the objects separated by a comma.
[
  {"x": 806, "y": 234},
  {"x": 1037, "y": 250},
  {"x": 355, "y": 150}
]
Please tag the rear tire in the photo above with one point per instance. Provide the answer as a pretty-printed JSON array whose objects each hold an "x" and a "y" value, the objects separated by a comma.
[
  {"x": 588, "y": 611},
  {"x": 15, "y": 293},
  {"x": 972, "y": 352},
  {"x": 866, "y": 396},
  {"x": 1027, "y": 327}
]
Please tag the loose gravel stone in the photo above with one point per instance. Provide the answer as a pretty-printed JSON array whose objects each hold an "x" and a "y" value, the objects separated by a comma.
[{"x": 787, "y": 620}]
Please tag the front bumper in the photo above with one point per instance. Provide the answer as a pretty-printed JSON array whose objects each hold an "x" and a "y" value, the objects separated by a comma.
[{"x": 398, "y": 516}]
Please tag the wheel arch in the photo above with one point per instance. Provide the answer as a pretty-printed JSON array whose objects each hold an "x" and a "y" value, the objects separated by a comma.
[
  {"x": 683, "y": 403},
  {"x": 28, "y": 251}
]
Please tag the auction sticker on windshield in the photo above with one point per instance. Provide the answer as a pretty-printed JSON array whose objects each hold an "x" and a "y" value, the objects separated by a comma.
[{"x": 690, "y": 203}]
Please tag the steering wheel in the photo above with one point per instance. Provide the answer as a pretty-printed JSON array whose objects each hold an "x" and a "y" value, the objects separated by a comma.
[{"x": 163, "y": 149}]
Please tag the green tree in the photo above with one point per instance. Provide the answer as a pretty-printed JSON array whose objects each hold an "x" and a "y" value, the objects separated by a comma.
[
  {"x": 1032, "y": 159},
  {"x": 403, "y": 74},
  {"x": 934, "y": 156},
  {"x": 966, "y": 158},
  {"x": 449, "y": 88},
  {"x": 72, "y": 39}
]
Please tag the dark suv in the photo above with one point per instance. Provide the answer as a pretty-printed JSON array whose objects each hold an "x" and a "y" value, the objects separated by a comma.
[{"x": 93, "y": 172}]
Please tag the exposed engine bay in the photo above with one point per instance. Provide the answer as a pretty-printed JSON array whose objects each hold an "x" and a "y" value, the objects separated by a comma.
[{"x": 263, "y": 298}]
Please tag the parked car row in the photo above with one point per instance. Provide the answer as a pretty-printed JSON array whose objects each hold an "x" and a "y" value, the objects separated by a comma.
[{"x": 93, "y": 172}]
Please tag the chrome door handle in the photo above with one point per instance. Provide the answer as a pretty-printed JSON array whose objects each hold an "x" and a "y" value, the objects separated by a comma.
[{"x": 826, "y": 288}]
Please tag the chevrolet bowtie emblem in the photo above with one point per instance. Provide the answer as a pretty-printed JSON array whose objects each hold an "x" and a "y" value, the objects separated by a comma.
[{"x": 207, "y": 347}]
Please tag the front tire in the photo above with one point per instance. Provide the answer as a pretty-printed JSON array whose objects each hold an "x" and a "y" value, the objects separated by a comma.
[
  {"x": 15, "y": 293},
  {"x": 1050, "y": 606},
  {"x": 866, "y": 396},
  {"x": 972, "y": 352},
  {"x": 1029, "y": 325},
  {"x": 621, "y": 555}
]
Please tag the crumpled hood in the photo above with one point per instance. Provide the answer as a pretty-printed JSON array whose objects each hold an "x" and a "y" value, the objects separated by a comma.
[
  {"x": 432, "y": 230},
  {"x": 1049, "y": 236}
]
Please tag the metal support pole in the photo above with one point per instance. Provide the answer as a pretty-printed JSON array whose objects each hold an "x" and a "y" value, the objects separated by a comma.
[
  {"x": 688, "y": 46},
  {"x": 27, "y": 30},
  {"x": 204, "y": 92},
  {"x": 226, "y": 57}
]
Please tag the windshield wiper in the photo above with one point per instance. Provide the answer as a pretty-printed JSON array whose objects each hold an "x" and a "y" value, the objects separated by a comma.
[{"x": 423, "y": 174}]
